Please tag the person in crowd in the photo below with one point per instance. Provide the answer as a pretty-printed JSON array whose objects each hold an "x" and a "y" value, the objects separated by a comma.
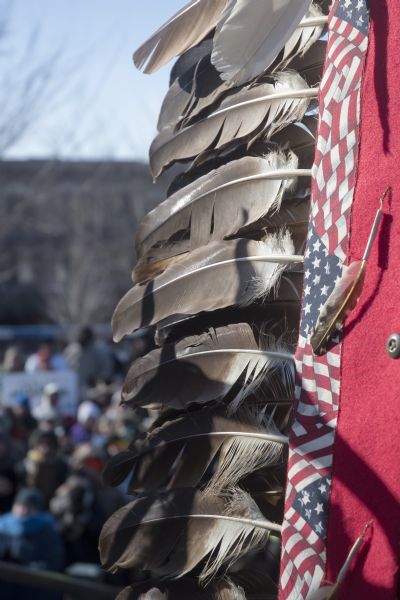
[
  {"x": 91, "y": 360},
  {"x": 89, "y": 462},
  {"x": 13, "y": 360},
  {"x": 45, "y": 469},
  {"x": 87, "y": 417},
  {"x": 48, "y": 408},
  {"x": 28, "y": 536},
  {"x": 45, "y": 359},
  {"x": 62, "y": 457},
  {"x": 102, "y": 394},
  {"x": 9, "y": 457},
  {"x": 22, "y": 421},
  {"x": 82, "y": 504}
]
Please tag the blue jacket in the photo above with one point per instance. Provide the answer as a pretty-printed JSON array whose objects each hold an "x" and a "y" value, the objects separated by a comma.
[{"x": 31, "y": 540}]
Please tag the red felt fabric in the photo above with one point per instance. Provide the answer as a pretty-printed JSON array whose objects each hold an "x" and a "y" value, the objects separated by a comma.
[{"x": 366, "y": 470}]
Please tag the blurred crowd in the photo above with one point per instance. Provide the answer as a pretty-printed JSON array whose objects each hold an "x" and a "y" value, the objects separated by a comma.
[{"x": 52, "y": 500}]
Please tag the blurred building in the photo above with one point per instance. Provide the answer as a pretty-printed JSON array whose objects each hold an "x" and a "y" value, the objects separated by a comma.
[{"x": 66, "y": 237}]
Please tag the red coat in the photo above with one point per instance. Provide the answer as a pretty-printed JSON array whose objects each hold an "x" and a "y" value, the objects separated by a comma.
[
  {"x": 345, "y": 439},
  {"x": 366, "y": 472}
]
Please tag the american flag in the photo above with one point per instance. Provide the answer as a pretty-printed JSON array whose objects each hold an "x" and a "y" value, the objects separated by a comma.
[{"x": 318, "y": 377}]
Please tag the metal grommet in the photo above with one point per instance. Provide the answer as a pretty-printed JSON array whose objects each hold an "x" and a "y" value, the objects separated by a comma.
[{"x": 393, "y": 346}]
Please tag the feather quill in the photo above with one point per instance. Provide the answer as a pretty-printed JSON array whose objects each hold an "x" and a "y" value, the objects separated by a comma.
[
  {"x": 280, "y": 304},
  {"x": 340, "y": 303},
  {"x": 189, "y": 526},
  {"x": 200, "y": 368},
  {"x": 211, "y": 429},
  {"x": 195, "y": 278},
  {"x": 218, "y": 204},
  {"x": 209, "y": 278},
  {"x": 208, "y": 86},
  {"x": 183, "y": 31},
  {"x": 258, "y": 110},
  {"x": 345, "y": 294},
  {"x": 250, "y": 35}
]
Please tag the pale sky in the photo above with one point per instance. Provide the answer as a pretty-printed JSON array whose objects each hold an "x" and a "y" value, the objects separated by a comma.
[{"x": 99, "y": 105}]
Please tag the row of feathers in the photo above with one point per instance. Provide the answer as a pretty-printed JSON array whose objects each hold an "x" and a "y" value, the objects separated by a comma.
[{"x": 219, "y": 275}]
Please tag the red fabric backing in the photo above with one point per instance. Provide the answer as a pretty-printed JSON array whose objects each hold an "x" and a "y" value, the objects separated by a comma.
[{"x": 366, "y": 471}]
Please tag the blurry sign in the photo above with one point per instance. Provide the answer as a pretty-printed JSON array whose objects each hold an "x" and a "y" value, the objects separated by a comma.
[{"x": 32, "y": 385}]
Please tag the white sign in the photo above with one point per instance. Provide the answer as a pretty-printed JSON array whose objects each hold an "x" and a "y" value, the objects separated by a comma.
[{"x": 32, "y": 385}]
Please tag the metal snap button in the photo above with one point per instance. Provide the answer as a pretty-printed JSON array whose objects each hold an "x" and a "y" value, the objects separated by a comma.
[{"x": 393, "y": 346}]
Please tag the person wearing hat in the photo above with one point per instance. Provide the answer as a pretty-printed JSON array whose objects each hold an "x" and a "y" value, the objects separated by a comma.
[
  {"x": 23, "y": 422},
  {"x": 86, "y": 420},
  {"x": 45, "y": 468},
  {"x": 28, "y": 536},
  {"x": 48, "y": 409}
]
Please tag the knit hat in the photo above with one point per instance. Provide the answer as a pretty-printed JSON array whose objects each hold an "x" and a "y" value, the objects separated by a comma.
[
  {"x": 22, "y": 400},
  {"x": 30, "y": 496}
]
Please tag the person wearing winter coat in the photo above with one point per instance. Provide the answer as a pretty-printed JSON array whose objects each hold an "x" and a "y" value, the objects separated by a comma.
[
  {"x": 44, "y": 467},
  {"x": 28, "y": 536}
]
